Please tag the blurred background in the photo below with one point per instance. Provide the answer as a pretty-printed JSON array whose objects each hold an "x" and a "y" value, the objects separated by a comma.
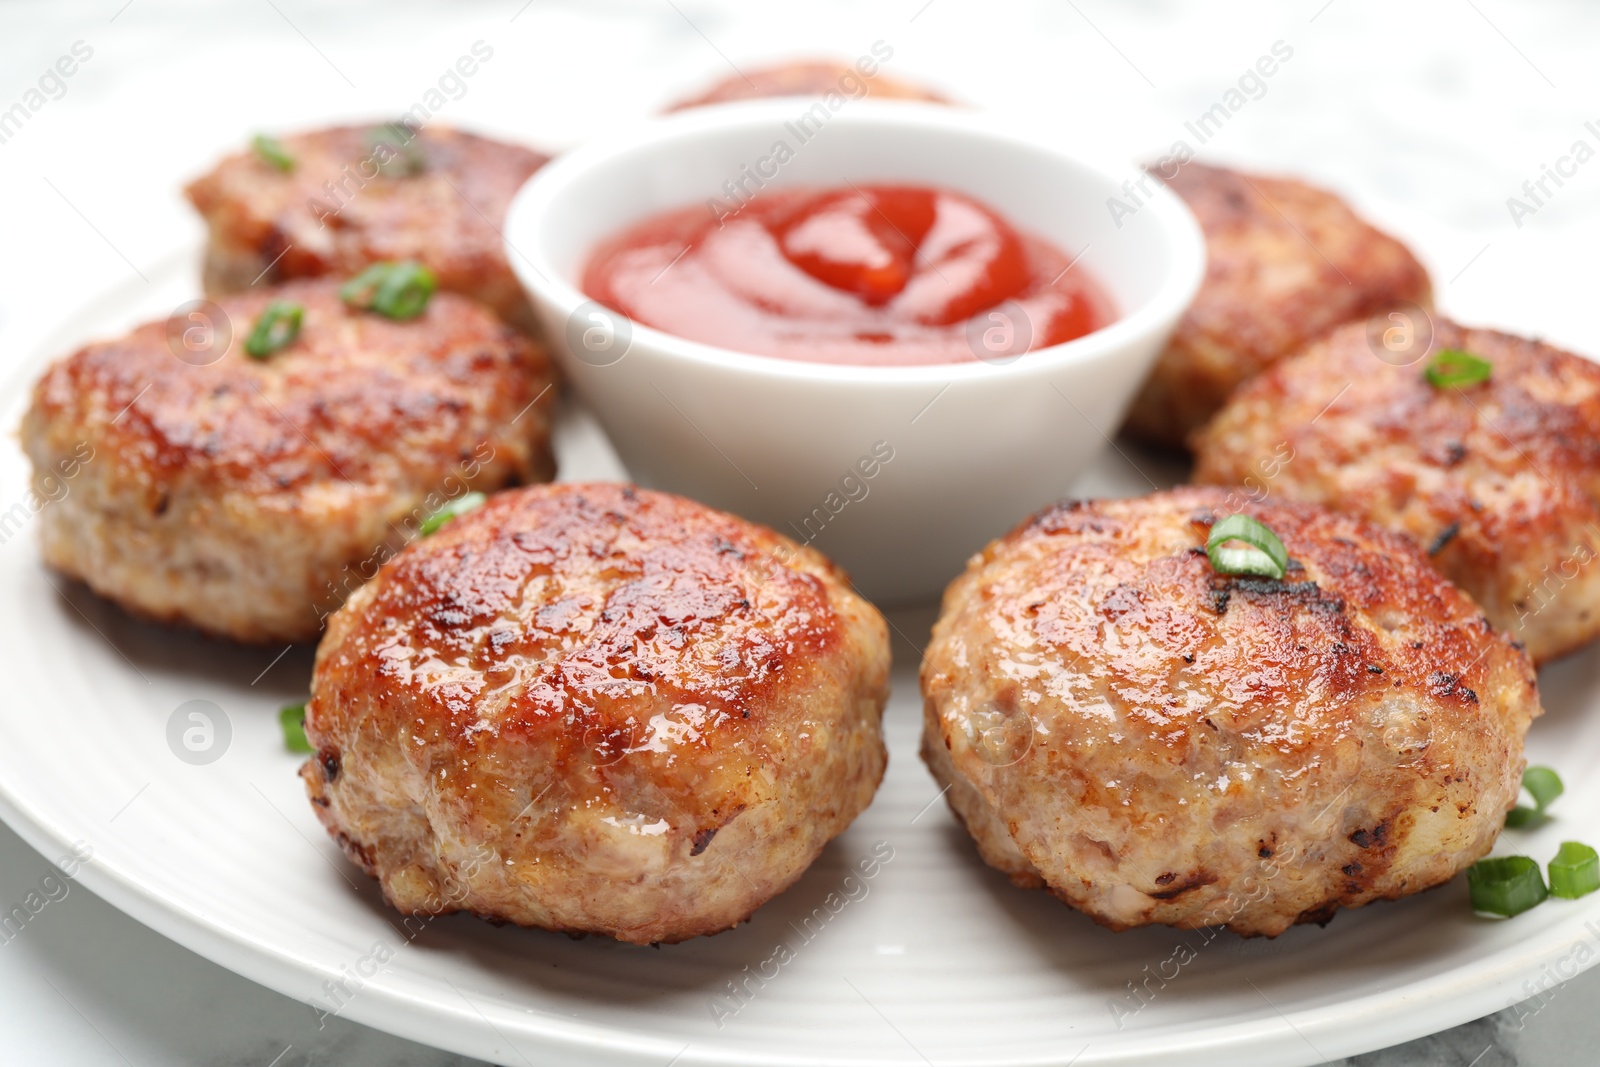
[{"x": 1430, "y": 116}]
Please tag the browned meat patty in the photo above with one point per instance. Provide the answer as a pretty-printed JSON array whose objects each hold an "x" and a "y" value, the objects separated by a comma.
[
  {"x": 809, "y": 78},
  {"x": 596, "y": 708},
  {"x": 246, "y": 497},
  {"x": 355, "y": 195},
  {"x": 1158, "y": 743},
  {"x": 1285, "y": 263},
  {"x": 1498, "y": 481}
]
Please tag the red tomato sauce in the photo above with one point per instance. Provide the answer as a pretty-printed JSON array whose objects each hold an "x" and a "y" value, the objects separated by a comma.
[{"x": 871, "y": 274}]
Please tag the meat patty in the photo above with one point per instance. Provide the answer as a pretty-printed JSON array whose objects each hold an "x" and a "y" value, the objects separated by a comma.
[
  {"x": 246, "y": 497},
  {"x": 597, "y": 709},
  {"x": 1160, "y": 743},
  {"x": 809, "y": 78},
  {"x": 1499, "y": 481},
  {"x": 1285, "y": 263},
  {"x": 356, "y": 195}
]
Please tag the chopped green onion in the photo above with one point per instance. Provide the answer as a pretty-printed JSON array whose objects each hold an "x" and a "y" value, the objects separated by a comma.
[
  {"x": 277, "y": 328},
  {"x": 1575, "y": 872},
  {"x": 1265, "y": 555},
  {"x": 394, "y": 290},
  {"x": 406, "y": 158},
  {"x": 1507, "y": 885},
  {"x": 450, "y": 509},
  {"x": 1452, "y": 366},
  {"x": 292, "y": 719},
  {"x": 1544, "y": 785},
  {"x": 271, "y": 151}
]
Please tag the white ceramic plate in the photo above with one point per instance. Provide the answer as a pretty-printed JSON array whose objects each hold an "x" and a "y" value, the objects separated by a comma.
[{"x": 935, "y": 959}]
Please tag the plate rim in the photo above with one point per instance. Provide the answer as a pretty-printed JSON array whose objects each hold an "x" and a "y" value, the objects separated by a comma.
[{"x": 1387, "y": 1017}]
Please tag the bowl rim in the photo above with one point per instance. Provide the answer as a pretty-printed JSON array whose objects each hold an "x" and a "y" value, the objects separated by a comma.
[{"x": 543, "y": 191}]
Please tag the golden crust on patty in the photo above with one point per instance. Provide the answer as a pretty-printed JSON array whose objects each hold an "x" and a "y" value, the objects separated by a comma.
[
  {"x": 597, "y": 708},
  {"x": 807, "y": 78},
  {"x": 336, "y": 211},
  {"x": 244, "y": 496},
  {"x": 1285, "y": 263},
  {"x": 1158, "y": 743},
  {"x": 1499, "y": 481}
]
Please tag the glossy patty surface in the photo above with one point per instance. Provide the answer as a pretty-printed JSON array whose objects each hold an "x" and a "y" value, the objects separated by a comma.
[
  {"x": 1158, "y": 743},
  {"x": 345, "y": 203},
  {"x": 601, "y": 709},
  {"x": 248, "y": 496},
  {"x": 1286, "y": 262},
  {"x": 1498, "y": 481}
]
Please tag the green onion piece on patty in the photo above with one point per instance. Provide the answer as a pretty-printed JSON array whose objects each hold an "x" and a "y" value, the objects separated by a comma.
[
  {"x": 1575, "y": 872},
  {"x": 1505, "y": 885},
  {"x": 271, "y": 151},
  {"x": 450, "y": 509},
  {"x": 277, "y": 328},
  {"x": 1264, "y": 554},
  {"x": 394, "y": 290},
  {"x": 1544, "y": 785},
  {"x": 292, "y": 720},
  {"x": 1452, "y": 366},
  {"x": 402, "y": 151}
]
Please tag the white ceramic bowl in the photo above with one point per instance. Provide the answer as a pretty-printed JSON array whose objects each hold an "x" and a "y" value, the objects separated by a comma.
[{"x": 958, "y": 453}]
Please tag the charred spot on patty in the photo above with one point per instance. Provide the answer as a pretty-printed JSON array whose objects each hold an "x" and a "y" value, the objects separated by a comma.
[{"x": 1445, "y": 536}]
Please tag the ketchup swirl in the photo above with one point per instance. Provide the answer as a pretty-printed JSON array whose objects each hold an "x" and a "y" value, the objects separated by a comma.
[{"x": 872, "y": 274}]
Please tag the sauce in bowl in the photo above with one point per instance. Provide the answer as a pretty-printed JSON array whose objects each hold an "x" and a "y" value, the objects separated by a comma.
[{"x": 877, "y": 275}]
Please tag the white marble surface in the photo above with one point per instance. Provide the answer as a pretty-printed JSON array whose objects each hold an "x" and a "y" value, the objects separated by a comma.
[{"x": 1429, "y": 115}]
